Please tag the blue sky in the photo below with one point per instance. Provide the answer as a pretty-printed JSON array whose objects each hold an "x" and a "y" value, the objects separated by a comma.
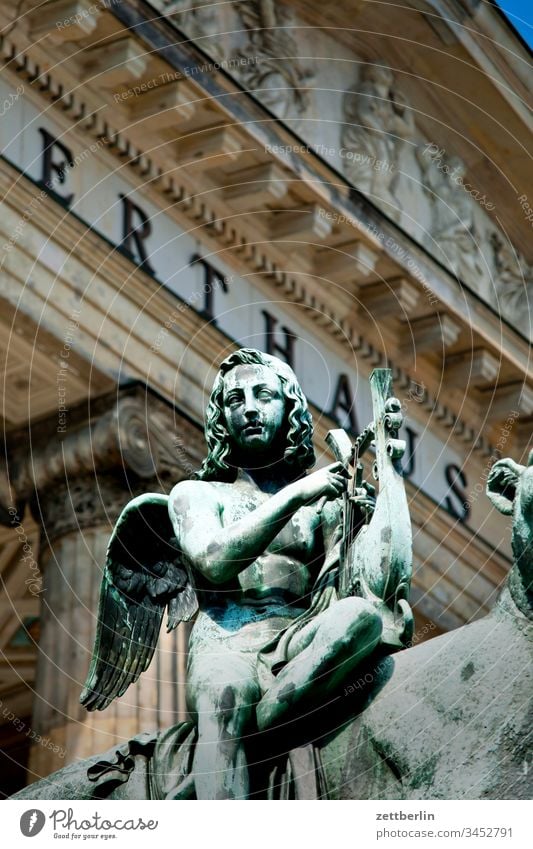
[{"x": 520, "y": 13}]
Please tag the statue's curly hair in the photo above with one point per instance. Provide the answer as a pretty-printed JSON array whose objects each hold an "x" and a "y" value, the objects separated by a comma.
[{"x": 298, "y": 455}]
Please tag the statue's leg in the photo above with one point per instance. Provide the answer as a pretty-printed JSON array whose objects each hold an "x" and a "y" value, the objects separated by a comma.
[
  {"x": 222, "y": 694},
  {"x": 321, "y": 655}
]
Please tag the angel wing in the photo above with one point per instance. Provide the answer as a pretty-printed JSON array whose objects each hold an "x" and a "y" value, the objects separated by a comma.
[{"x": 143, "y": 575}]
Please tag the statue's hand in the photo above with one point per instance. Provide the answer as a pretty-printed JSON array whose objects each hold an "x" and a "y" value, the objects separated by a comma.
[
  {"x": 328, "y": 483},
  {"x": 364, "y": 499}
]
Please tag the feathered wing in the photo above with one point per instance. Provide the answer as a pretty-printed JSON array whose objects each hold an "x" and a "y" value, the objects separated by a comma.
[{"x": 143, "y": 575}]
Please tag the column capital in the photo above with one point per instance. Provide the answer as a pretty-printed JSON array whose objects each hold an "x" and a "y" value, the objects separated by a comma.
[{"x": 111, "y": 450}]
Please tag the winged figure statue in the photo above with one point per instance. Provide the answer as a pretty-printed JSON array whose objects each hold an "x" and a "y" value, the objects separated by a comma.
[{"x": 293, "y": 578}]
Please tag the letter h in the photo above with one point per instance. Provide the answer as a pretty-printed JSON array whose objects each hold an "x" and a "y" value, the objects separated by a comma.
[{"x": 274, "y": 348}]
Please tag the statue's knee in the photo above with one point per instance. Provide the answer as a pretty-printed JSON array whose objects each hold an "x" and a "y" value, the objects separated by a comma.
[
  {"x": 371, "y": 626},
  {"x": 367, "y": 621},
  {"x": 358, "y": 621}
]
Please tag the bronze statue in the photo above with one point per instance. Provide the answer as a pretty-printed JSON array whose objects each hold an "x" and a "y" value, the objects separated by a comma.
[
  {"x": 255, "y": 544},
  {"x": 302, "y": 586}
]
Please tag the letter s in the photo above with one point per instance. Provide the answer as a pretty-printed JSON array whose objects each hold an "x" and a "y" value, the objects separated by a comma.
[{"x": 454, "y": 477}]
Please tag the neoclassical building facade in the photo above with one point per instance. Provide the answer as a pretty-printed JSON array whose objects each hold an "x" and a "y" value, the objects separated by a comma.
[{"x": 342, "y": 188}]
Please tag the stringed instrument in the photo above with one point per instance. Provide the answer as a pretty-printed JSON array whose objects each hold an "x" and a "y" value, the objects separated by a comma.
[{"x": 376, "y": 548}]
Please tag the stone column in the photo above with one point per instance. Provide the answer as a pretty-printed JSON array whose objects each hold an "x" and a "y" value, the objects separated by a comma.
[{"x": 79, "y": 486}]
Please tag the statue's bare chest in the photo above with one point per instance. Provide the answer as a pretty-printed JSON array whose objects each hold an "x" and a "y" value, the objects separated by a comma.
[{"x": 298, "y": 537}]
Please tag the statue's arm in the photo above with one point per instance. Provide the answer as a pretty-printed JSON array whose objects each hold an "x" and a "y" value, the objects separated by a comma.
[
  {"x": 222, "y": 552},
  {"x": 331, "y": 524}
]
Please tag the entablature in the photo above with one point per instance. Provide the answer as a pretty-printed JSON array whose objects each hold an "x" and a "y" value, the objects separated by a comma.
[{"x": 412, "y": 310}]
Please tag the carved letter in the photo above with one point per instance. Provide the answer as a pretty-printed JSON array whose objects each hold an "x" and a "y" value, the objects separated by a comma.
[
  {"x": 454, "y": 476},
  {"x": 343, "y": 400},
  {"x": 58, "y": 168},
  {"x": 211, "y": 278},
  {"x": 275, "y": 348},
  {"x": 137, "y": 234}
]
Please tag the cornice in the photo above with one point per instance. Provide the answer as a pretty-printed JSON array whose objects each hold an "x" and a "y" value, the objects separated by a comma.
[
  {"x": 264, "y": 258},
  {"x": 143, "y": 289},
  {"x": 361, "y": 219}
]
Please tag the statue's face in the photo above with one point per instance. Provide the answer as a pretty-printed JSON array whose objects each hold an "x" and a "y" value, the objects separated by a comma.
[{"x": 254, "y": 408}]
